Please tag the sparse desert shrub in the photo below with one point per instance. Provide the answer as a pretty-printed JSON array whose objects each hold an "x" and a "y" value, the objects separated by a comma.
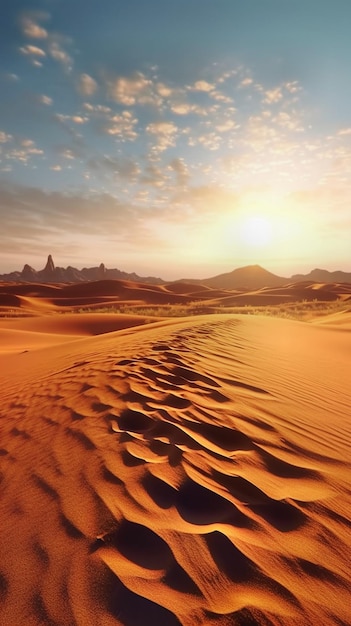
[{"x": 305, "y": 310}]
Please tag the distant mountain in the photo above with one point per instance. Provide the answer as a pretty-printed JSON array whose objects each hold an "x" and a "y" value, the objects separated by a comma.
[
  {"x": 323, "y": 276},
  {"x": 53, "y": 274},
  {"x": 249, "y": 277}
]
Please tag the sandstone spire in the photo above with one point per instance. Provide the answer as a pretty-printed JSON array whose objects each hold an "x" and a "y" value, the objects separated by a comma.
[{"x": 50, "y": 266}]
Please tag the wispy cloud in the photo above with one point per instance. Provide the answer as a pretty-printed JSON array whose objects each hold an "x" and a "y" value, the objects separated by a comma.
[
  {"x": 31, "y": 216},
  {"x": 59, "y": 54},
  {"x": 131, "y": 90},
  {"x": 273, "y": 95},
  {"x": 5, "y": 137},
  {"x": 122, "y": 126},
  {"x": 43, "y": 99},
  {"x": 164, "y": 133},
  {"x": 11, "y": 77},
  {"x": 210, "y": 140},
  {"x": 202, "y": 85},
  {"x": 99, "y": 109},
  {"x": 344, "y": 132},
  {"x": 53, "y": 44},
  {"x": 246, "y": 82},
  {"x": 32, "y": 51},
  {"x": 31, "y": 27},
  {"x": 125, "y": 168},
  {"x": 86, "y": 85},
  {"x": 17, "y": 150},
  {"x": 68, "y": 153},
  {"x": 181, "y": 170},
  {"x": 76, "y": 119}
]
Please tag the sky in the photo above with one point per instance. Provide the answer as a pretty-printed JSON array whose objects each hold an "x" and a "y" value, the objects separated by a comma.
[{"x": 178, "y": 138}]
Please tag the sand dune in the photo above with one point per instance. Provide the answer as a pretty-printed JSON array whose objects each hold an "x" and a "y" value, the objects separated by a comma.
[
  {"x": 37, "y": 299},
  {"x": 73, "y": 324},
  {"x": 188, "y": 471}
]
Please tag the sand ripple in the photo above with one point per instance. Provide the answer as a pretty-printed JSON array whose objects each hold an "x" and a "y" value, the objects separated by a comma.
[{"x": 190, "y": 473}]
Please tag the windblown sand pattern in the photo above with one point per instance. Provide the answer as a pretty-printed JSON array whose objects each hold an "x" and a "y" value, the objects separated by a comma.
[{"x": 192, "y": 471}]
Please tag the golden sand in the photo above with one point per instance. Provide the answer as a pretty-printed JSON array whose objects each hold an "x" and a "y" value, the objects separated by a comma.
[{"x": 190, "y": 471}]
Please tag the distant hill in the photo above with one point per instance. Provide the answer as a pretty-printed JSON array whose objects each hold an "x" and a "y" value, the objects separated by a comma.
[
  {"x": 249, "y": 277},
  {"x": 323, "y": 276}
]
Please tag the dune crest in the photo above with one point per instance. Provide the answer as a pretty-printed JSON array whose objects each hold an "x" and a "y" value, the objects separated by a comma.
[{"x": 186, "y": 472}]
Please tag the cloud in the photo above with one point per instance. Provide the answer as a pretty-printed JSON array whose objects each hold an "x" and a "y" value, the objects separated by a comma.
[
  {"x": 86, "y": 85},
  {"x": 30, "y": 26},
  {"x": 206, "y": 203},
  {"x": 293, "y": 86},
  {"x": 55, "y": 42},
  {"x": 162, "y": 128},
  {"x": 32, "y": 51},
  {"x": 211, "y": 141},
  {"x": 224, "y": 76},
  {"x": 289, "y": 121},
  {"x": 220, "y": 97},
  {"x": 226, "y": 126},
  {"x": 136, "y": 89},
  {"x": 125, "y": 168},
  {"x": 58, "y": 53},
  {"x": 100, "y": 109},
  {"x": 273, "y": 95},
  {"x": 71, "y": 124},
  {"x": 45, "y": 100},
  {"x": 164, "y": 90},
  {"x": 154, "y": 176},
  {"x": 10, "y": 76},
  {"x": 165, "y": 133},
  {"x": 34, "y": 219},
  {"x": 15, "y": 149},
  {"x": 246, "y": 82},
  {"x": 122, "y": 126},
  {"x": 31, "y": 149},
  {"x": 202, "y": 85},
  {"x": 76, "y": 119},
  {"x": 344, "y": 131},
  {"x": 68, "y": 153},
  {"x": 182, "y": 108},
  {"x": 4, "y": 137},
  {"x": 179, "y": 167},
  {"x": 140, "y": 89}
]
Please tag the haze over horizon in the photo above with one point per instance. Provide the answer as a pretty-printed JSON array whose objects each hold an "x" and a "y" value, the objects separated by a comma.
[
  {"x": 176, "y": 139},
  {"x": 250, "y": 269}
]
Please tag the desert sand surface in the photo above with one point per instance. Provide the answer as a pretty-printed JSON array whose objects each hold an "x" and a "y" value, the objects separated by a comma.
[{"x": 171, "y": 471}]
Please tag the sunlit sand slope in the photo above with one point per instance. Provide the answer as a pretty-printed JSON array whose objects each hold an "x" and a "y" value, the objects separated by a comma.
[{"x": 192, "y": 472}]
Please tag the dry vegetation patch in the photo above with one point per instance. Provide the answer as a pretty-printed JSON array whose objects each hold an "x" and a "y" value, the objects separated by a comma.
[{"x": 304, "y": 311}]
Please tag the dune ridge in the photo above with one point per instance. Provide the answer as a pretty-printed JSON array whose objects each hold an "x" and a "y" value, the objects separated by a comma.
[
  {"x": 191, "y": 471},
  {"x": 39, "y": 299}
]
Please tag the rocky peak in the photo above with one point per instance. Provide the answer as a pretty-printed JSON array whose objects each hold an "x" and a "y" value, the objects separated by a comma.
[
  {"x": 28, "y": 273},
  {"x": 55, "y": 274},
  {"x": 102, "y": 271},
  {"x": 50, "y": 266}
]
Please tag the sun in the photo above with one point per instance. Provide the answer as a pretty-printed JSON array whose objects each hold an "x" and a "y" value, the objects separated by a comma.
[{"x": 256, "y": 231}]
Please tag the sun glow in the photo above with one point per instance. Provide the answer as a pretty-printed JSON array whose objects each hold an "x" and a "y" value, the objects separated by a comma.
[
  {"x": 266, "y": 228},
  {"x": 256, "y": 231}
]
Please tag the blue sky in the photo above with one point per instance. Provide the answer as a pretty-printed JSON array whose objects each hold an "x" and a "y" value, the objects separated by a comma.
[{"x": 163, "y": 137}]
